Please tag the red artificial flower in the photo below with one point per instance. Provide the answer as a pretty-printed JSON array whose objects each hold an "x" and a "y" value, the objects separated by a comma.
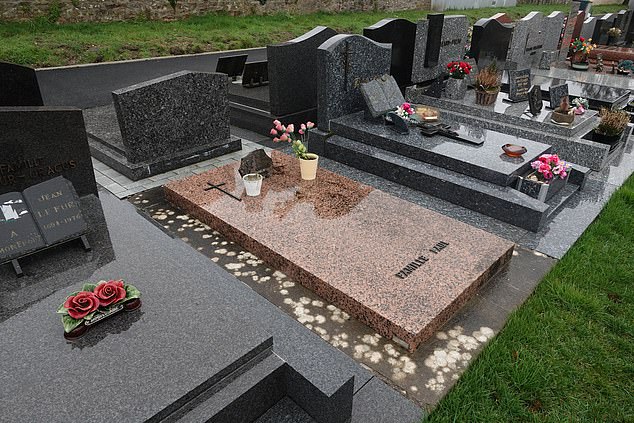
[
  {"x": 582, "y": 39},
  {"x": 81, "y": 305},
  {"x": 110, "y": 292}
]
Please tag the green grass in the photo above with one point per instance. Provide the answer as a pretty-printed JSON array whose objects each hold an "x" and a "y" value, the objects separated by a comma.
[
  {"x": 40, "y": 43},
  {"x": 567, "y": 354}
]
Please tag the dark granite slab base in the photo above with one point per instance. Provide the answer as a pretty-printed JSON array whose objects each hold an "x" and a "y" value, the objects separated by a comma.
[
  {"x": 106, "y": 145},
  {"x": 504, "y": 203},
  {"x": 319, "y": 233},
  {"x": 257, "y": 97}
]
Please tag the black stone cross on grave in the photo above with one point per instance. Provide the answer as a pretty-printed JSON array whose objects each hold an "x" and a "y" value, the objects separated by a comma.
[{"x": 218, "y": 187}]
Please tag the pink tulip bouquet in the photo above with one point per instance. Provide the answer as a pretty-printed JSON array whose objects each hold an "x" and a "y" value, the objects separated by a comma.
[
  {"x": 299, "y": 140},
  {"x": 550, "y": 166}
]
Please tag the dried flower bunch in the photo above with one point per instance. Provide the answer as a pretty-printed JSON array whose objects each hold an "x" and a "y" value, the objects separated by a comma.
[
  {"x": 488, "y": 79},
  {"x": 614, "y": 32},
  {"x": 613, "y": 122}
]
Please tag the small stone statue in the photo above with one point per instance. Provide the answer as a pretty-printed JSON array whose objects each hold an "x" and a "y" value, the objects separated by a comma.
[
  {"x": 599, "y": 66},
  {"x": 256, "y": 162}
]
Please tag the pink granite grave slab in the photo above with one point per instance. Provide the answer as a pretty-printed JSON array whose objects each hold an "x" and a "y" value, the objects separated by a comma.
[{"x": 398, "y": 267}]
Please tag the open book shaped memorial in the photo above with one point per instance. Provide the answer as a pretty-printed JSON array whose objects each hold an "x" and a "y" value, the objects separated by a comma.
[{"x": 42, "y": 216}]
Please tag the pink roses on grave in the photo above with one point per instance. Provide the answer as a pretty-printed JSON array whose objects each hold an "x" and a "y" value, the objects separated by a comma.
[{"x": 549, "y": 166}]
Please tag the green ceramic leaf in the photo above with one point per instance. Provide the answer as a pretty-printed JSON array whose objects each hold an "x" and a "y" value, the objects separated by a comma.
[
  {"x": 89, "y": 316},
  {"x": 132, "y": 292},
  {"x": 70, "y": 323},
  {"x": 61, "y": 309},
  {"x": 89, "y": 287}
]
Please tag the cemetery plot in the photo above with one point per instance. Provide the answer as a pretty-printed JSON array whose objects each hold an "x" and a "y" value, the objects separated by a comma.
[{"x": 332, "y": 236}]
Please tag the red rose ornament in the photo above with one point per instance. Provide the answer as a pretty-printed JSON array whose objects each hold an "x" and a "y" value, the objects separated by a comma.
[
  {"x": 110, "y": 292},
  {"x": 82, "y": 304}
]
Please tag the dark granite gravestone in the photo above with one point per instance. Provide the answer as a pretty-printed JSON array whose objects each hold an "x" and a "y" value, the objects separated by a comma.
[
  {"x": 557, "y": 92},
  {"x": 255, "y": 74},
  {"x": 382, "y": 95},
  {"x": 256, "y": 161},
  {"x": 432, "y": 53},
  {"x": 40, "y": 143},
  {"x": 436, "y": 87},
  {"x": 629, "y": 31},
  {"x": 19, "y": 86},
  {"x": 401, "y": 33},
  {"x": 600, "y": 34},
  {"x": 233, "y": 66},
  {"x": 292, "y": 82},
  {"x": 172, "y": 114},
  {"x": 527, "y": 42},
  {"x": 535, "y": 103},
  {"x": 570, "y": 23},
  {"x": 519, "y": 84},
  {"x": 490, "y": 42},
  {"x": 345, "y": 61}
]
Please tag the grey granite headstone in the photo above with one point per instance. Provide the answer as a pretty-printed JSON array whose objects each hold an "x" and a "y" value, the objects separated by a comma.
[
  {"x": 490, "y": 42},
  {"x": 292, "y": 81},
  {"x": 553, "y": 27},
  {"x": 382, "y": 95},
  {"x": 600, "y": 34},
  {"x": 256, "y": 161},
  {"x": 345, "y": 61},
  {"x": 527, "y": 42},
  {"x": 168, "y": 115},
  {"x": 557, "y": 92},
  {"x": 453, "y": 40},
  {"x": 19, "y": 86},
  {"x": 40, "y": 143},
  {"x": 570, "y": 23},
  {"x": 519, "y": 84},
  {"x": 401, "y": 33},
  {"x": 587, "y": 30}
]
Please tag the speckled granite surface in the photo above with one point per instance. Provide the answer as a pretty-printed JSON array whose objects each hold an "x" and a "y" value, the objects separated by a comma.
[{"x": 319, "y": 232}]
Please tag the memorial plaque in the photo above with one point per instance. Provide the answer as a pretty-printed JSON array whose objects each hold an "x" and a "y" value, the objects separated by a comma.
[
  {"x": 557, "y": 92},
  {"x": 382, "y": 95},
  {"x": 401, "y": 33},
  {"x": 233, "y": 66},
  {"x": 19, "y": 86},
  {"x": 535, "y": 103},
  {"x": 519, "y": 84},
  {"x": 19, "y": 234},
  {"x": 54, "y": 205},
  {"x": 255, "y": 74}
]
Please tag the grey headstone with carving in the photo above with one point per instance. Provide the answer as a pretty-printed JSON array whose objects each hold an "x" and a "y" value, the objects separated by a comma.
[{"x": 528, "y": 42}]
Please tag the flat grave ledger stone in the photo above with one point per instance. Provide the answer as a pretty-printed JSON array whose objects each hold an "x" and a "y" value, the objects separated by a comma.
[
  {"x": 569, "y": 28},
  {"x": 232, "y": 65},
  {"x": 382, "y": 95},
  {"x": 401, "y": 34},
  {"x": 345, "y": 61},
  {"x": 527, "y": 42},
  {"x": 255, "y": 74},
  {"x": 40, "y": 143},
  {"x": 405, "y": 292},
  {"x": 490, "y": 42},
  {"x": 519, "y": 84},
  {"x": 557, "y": 92},
  {"x": 292, "y": 80},
  {"x": 19, "y": 86},
  {"x": 440, "y": 39},
  {"x": 535, "y": 102},
  {"x": 177, "y": 112},
  {"x": 42, "y": 215}
]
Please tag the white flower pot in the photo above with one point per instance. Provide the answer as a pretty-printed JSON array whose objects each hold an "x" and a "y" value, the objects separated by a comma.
[
  {"x": 252, "y": 184},
  {"x": 308, "y": 168}
]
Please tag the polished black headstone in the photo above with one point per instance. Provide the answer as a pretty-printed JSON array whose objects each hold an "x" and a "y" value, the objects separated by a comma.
[
  {"x": 401, "y": 33},
  {"x": 436, "y": 87},
  {"x": 434, "y": 39},
  {"x": 19, "y": 86},
  {"x": 490, "y": 41},
  {"x": 557, "y": 92},
  {"x": 232, "y": 65},
  {"x": 40, "y": 143},
  {"x": 255, "y": 74},
  {"x": 19, "y": 234},
  {"x": 535, "y": 102},
  {"x": 54, "y": 205},
  {"x": 519, "y": 84}
]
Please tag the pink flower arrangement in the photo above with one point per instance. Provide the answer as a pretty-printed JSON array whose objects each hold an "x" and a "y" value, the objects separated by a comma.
[
  {"x": 549, "y": 166},
  {"x": 286, "y": 133},
  {"x": 405, "y": 110}
]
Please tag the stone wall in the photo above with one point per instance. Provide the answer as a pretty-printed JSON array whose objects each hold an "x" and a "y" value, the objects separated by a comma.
[{"x": 113, "y": 10}]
